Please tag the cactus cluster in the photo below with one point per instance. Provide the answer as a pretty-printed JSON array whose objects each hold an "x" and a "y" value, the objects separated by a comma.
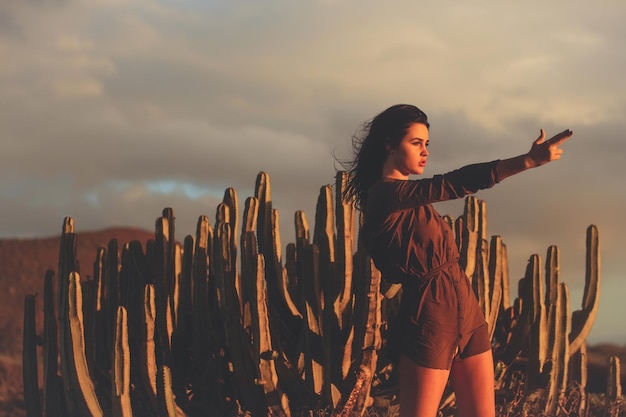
[
  {"x": 222, "y": 323},
  {"x": 536, "y": 333}
]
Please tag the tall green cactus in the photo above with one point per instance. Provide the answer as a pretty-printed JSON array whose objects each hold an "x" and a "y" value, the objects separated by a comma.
[
  {"x": 253, "y": 277},
  {"x": 558, "y": 350},
  {"x": 277, "y": 401},
  {"x": 345, "y": 225},
  {"x": 165, "y": 395},
  {"x": 613, "y": 388},
  {"x": 98, "y": 337},
  {"x": 547, "y": 319},
  {"x": 324, "y": 240},
  {"x": 498, "y": 276},
  {"x": 52, "y": 384},
  {"x": 147, "y": 354},
  {"x": 356, "y": 401},
  {"x": 538, "y": 351},
  {"x": 578, "y": 376},
  {"x": 32, "y": 401},
  {"x": 230, "y": 203},
  {"x": 163, "y": 329},
  {"x": 244, "y": 370},
  {"x": 312, "y": 357},
  {"x": 583, "y": 319},
  {"x": 81, "y": 388},
  {"x": 222, "y": 325},
  {"x": 554, "y": 345},
  {"x": 468, "y": 228},
  {"x": 120, "y": 388}
]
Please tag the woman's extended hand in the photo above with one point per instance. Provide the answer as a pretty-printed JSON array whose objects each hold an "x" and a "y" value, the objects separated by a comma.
[{"x": 544, "y": 151}]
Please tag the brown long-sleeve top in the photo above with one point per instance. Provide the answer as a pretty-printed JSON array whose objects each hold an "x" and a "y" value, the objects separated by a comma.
[{"x": 404, "y": 234}]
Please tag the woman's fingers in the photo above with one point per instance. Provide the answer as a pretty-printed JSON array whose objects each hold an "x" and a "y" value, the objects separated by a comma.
[
  {"x": 542, "y": 136},
  {"x": 559, "y": 138},
  {"x": 556, "y": 154}
]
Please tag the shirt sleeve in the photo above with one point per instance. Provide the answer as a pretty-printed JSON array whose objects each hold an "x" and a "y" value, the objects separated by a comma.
[{"x": 449, "y": 186}]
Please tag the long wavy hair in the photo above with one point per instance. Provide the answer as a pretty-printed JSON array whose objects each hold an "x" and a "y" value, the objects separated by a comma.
[{"x": 369, "y": 145}]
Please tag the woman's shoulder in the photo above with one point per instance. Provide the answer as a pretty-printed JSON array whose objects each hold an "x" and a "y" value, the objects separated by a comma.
[{"x": 385, "y": 186}]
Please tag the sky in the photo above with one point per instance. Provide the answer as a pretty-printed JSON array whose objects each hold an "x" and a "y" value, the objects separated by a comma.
[{"x": 111, "y": 110}]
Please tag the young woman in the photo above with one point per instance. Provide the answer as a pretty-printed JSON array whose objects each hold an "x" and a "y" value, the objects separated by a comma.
[{"x": 440, "y": 331}]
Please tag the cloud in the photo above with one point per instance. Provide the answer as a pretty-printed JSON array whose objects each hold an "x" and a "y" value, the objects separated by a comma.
[{"x": 111, "y": 111}]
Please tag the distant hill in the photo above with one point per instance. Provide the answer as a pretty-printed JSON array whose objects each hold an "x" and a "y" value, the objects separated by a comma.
[
  {"x": 23, "y": 265},
  {"x": 24, "y": 262},
  {"x": 597, "y": 363}
]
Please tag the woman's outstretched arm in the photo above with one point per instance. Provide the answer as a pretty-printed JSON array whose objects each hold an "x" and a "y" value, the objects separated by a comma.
[{"x": 541, "y": 152}]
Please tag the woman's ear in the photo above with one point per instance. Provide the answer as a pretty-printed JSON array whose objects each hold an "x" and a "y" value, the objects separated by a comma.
[{"x": 388, "y": 149}]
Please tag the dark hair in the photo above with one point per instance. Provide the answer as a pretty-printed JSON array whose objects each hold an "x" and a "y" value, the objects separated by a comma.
[{"x": 369, "y": 147}]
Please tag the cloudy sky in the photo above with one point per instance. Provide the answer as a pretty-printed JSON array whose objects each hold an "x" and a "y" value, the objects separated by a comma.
[{"x": 111, "y": 110}]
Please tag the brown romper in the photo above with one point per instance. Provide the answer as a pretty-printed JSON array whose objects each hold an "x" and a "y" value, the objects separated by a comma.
[{"x": 411, "y": 244}]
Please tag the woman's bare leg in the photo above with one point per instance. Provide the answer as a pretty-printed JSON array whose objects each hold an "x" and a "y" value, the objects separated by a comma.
[
  {"x": 473, "y": 383},
  {"x": 420, "y": 389}
]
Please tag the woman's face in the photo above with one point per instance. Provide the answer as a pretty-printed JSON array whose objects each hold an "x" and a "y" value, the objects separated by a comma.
[{"x": 410, "y": 156}]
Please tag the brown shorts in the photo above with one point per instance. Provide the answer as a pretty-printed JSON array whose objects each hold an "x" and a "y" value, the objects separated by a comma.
[{"x": 439, "y": 319}]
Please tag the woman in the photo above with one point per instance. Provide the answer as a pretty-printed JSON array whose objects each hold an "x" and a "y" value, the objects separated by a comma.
[{"x": 440, "y": 331}]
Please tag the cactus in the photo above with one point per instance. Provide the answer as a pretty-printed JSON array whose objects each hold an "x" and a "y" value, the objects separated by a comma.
[
  {"x": 358, "y": 398},
  {"x": 147, "y": 354},
  {"x": 29, "y": 361},
  {"x": 324, "y": 240},
  {"x": 278, "y": 403},
  {"x": 497, "y": 274},
  {"x": 481, "y": 279},
  {"x": 285, "y": 316},
  {"x": 578, "y": 376},
  {"x": 539, "y": 330},
  {"x": 230, "y": 205},
  {"x": 343, "y": 308},
  {"x": 557, "y": 373},
  {"x": 613, "y": 387},
  {"x": 52, "y": 383},
  {"x": 165, "y": 395},
  {"x": 467, "y": 235},
  {"x": 294, "y": 315},
  {"x": 345, "y": 224},
  {"x": 312, "y": 354},
  {"x": 161, "y": 289},
  {"x": 244, "y": 370},
  {"x": 201, "y": 321},
  {"x": 554, "y": 346},
  {"x": 82, "y": 390},
  {"x": 253, "y": 272},
  {"x": 120, "y": 392},
  {"x": 98, "y": 333},
  {"x": 583, "y": 319},
  {"x": 224, "y": 326}
]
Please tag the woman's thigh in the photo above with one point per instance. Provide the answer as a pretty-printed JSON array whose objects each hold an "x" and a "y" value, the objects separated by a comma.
[
  {"x": 472, "y": 379},
  {"x": 421, "y": 388}
]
